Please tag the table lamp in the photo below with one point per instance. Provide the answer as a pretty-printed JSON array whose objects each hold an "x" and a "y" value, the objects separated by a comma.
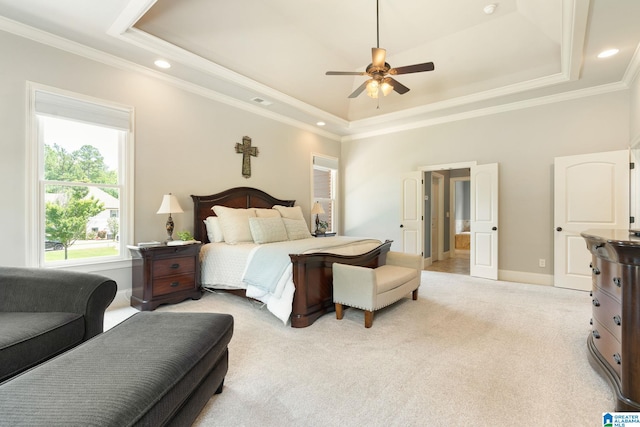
[
  {"x": 169, "y": 205},
  {"x": 317, "y": 210}
]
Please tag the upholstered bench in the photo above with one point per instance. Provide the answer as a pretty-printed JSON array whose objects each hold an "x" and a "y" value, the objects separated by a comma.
[
  {"x": 371, "y": 289},
  {"x": 154, "y": 369}
]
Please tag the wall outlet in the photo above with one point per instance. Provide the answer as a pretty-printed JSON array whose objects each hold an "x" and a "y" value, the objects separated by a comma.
[{"x": 542, "y": 263}]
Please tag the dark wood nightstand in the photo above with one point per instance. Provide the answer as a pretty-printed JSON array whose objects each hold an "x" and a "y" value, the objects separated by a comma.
[{"x": 164, "y": 275}]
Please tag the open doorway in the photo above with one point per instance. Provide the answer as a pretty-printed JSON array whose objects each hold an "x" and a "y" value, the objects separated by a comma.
[{"x": 449, "y": 213}]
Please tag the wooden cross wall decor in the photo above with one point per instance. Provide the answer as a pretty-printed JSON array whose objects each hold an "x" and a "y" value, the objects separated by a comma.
[{"x": 247, "y": 151}]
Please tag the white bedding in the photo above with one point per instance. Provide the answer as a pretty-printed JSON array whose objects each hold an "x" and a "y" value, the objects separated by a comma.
[{"x": 223, "y": 266}]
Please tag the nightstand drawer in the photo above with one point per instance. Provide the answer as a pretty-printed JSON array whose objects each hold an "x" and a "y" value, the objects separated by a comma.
[
  {"x": 170, "y": 284},
  {"x": 173, "y": 266}
]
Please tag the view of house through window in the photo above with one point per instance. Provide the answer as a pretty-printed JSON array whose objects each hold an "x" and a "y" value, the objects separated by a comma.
[
  {"x": 325, "y": 171},
  {"x": 81, "y": 192},
  {"x": 82, "y": 185}
]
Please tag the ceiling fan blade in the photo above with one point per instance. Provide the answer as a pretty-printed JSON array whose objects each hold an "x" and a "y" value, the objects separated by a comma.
[
  {"x": 359, "y": 90},
  {"x": 417, "y": 68},
  {"x": 378, "y": 57},
  {"x": 346, "y": 73},
  {"x": 397, "y": 86}
]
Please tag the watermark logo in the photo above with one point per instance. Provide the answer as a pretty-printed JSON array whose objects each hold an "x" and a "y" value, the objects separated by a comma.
[{"x": 621, "y": 419}]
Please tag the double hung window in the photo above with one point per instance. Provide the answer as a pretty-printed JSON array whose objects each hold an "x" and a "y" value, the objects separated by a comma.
[
  {"x": 325, "y": 178},
  {"x": 82, "y": 179}
]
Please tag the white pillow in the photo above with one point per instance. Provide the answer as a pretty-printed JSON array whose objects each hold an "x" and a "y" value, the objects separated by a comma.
[
  {"x": 294, "y": 212},
  {"x": 267, "y": 213},
  {"x": 235, "y": 223},
  {"x": 267, "y": 230},
  {"x": 214, "y": 231},
  {"x": 296, "y": 228}
]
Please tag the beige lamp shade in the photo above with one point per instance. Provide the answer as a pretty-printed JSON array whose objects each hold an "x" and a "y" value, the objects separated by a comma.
[
  {"x": 317, "y": 209},
  {"x": 169, "y": 205}
]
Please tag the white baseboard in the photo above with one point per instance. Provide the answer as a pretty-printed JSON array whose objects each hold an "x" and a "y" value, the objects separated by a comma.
[{"x": 525, "y": 277}]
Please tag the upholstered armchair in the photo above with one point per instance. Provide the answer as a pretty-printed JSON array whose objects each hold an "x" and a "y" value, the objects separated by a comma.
[{"x": 371, "y": 289}]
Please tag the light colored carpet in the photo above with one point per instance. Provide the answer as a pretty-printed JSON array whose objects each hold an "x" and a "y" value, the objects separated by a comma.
[{"x": 468, "y": 352}]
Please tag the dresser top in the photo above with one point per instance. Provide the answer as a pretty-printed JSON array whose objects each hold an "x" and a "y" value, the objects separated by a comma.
[{"x": 614, "y": 236}]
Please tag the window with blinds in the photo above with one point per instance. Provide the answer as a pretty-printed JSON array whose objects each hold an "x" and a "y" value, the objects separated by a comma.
[
  {"x": 82, "y": 171},
  {"x": 325, "y": 172}
]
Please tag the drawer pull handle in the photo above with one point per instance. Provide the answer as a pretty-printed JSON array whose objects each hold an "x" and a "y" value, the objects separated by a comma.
[
  {"x": 174, "y": 284},
  {"x": 595, "y": 302},
  {"x": 176, "y": 265},
  {"x": 617, "y": 320},
  {"x": 591, "y": 321},
  {"x": 617, "y": 358},
  {"x": 596, "y": 271},
  {"x": 617, "y": 281},
  {"x": 596, "y": 334}
]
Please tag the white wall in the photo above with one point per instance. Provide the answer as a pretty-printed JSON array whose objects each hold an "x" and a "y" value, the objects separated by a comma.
[
  {"x": 184, "y": 143},
  {"x": 524, "y": 143}
]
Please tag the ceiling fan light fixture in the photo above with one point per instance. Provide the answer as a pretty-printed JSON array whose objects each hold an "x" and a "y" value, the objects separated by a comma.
[
  {"x": 386, "y": 87},
  {"x": 372, "y": 88}
]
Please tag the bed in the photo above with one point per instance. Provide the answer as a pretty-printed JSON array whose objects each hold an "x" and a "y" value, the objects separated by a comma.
[{"x": 306, "y": 285}]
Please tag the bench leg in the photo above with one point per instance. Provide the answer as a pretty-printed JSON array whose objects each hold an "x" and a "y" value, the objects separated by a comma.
[
  {"x": 219, "y": 390},
  {"x": 339, "y": 312},
  {"x": 415, "y": 294},
  {"x": 368, "y": 318}
]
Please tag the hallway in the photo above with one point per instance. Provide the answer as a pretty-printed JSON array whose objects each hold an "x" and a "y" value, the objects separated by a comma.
[{"x": 457, "y": 265}]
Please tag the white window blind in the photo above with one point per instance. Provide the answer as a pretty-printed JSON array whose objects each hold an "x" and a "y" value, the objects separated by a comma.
[{"x": 56, "y": 105}]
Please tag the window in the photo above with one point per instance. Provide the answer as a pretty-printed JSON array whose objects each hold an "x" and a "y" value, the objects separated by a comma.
[
  {"x": 325, "y": 174},
  {"x": 82, "y": 179}
]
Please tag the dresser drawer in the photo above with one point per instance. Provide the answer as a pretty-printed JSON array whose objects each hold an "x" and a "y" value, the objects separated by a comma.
[
  {"x": 606, "y": 275},
  {"x": 607, "y": 311},
  {"x": 608, "y": 346},
  {"x": 173, "y": 266},
  {"x": 169, "y": 284}
]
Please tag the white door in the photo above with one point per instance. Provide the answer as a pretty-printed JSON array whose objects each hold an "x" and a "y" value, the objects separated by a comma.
[
  {"x": 591, "y": 191},
  {"x": 484, "y": 221},
  {"x": 412, "y": 212}
]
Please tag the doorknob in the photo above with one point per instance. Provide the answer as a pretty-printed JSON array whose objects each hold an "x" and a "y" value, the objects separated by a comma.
[
  {"x": 494, "y": 228},
  {"x": 558, "y": 228},
  {"x": 401, "y": 225}
]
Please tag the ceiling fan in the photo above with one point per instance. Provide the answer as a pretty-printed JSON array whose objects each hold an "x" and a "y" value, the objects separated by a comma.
[{"x": 379, "y": 71}]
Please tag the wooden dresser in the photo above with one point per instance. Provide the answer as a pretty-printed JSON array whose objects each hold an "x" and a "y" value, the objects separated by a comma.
[
  {"x": 614, "y": 342},
  {"x": 164, "y": 275}
]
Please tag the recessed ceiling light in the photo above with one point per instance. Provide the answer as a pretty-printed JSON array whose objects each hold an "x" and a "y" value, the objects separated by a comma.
[
  {"x": 320, "y": 123},
  {"x": 607, "y": 53},
  {"x": 161, "y": 63},
  {"x": 490, "y": 8}
]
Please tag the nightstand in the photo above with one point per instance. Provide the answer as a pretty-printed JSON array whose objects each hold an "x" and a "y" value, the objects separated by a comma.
[
  {"x": 164, "y": 275},
  {"x": 324, "y": 235}
]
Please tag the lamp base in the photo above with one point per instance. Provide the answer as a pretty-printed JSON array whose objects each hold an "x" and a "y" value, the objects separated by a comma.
[{"x": 169, "y": 227}]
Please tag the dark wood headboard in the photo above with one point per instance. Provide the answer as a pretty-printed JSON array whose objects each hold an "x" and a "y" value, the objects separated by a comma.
[{"x": 239, "y": 197}]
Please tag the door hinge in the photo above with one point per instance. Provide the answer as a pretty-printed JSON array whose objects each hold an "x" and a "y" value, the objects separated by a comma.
[
  {"x": 632, "y": 165},
  {"x": 632, "y": 219}
]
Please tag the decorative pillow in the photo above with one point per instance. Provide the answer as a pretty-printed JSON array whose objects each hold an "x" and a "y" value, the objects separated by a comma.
[
  {"x": 267, "y": 213},
  {"x": 235, "y": 223},
  {"x": 296, "y": 228},
  {"x": 294, "y": 212},
  {"x": 267, "y": 230},
  {"x": 214, "y": 231}
]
